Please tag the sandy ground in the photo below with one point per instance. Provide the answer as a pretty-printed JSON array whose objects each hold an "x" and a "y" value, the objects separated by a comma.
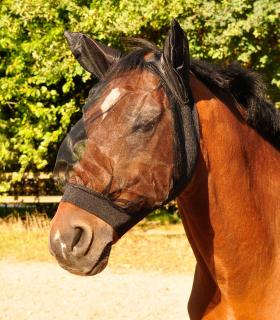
[{"x": 44, "y": 291}]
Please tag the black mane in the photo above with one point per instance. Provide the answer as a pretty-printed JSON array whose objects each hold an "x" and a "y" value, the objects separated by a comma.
[
  {"x": 244, "y": 86},
  {"x": 248, "y": 90}
]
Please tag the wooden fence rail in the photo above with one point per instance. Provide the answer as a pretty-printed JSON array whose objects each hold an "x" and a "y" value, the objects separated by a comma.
[
  {"x": 9, "y": 199},
  {"x": 29, "y": 199}
]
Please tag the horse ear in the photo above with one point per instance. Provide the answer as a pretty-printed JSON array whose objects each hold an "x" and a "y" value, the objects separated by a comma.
[
  {"x": 93, "y": 56},
  {"x": 176, "y": 51}
]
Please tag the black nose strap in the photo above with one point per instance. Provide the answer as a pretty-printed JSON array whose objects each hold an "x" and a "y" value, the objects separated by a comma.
[{"x": 102, "y": 207}]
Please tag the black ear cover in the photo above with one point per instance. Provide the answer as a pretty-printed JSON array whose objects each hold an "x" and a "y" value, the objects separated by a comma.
[
  {"x": 92, "y": 55},
  {"x": 176, "y": 51}
]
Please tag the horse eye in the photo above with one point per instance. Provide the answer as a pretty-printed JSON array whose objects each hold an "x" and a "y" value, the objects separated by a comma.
[{"x": 144, "y": 125}]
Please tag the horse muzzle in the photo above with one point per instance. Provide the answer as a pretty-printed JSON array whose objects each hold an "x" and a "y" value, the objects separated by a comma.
[{"x": 80, "y": 241}]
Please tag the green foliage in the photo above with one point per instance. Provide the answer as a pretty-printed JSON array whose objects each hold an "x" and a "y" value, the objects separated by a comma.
[
  {"x": 42, "y": 88},
  {"x": 168, "y": 214}
]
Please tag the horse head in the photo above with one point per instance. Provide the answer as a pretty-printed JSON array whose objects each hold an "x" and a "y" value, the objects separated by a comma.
[{"x": 134, "y": 149}]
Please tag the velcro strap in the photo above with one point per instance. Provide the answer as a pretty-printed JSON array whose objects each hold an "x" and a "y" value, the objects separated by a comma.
[{"x": 102, "y": 207}]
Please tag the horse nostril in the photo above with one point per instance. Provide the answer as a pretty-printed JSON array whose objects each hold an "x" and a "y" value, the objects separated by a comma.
[
  {"x": 82, "y": 240},
  {"x": 77, "y": 236}
]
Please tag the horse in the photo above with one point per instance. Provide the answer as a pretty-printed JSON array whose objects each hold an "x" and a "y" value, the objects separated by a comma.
[{"x": 158, "y": 126}]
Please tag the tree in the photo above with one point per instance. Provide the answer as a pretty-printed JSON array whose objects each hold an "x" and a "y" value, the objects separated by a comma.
[{"x": 42, "y": 88}]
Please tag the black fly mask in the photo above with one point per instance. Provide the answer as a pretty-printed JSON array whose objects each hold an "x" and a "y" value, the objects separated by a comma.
[{"x": 135, "y": 147}]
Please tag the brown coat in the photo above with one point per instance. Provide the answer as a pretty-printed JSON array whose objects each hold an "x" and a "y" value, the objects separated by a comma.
[{"x": 231, "y": 214}]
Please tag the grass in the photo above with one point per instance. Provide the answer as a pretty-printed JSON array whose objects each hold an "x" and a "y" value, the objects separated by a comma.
[
  {"x": 24, "y": 239},
  {"x": 150, "y": 246}
]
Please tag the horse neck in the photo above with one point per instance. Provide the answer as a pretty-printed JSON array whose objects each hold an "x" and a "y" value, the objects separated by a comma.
[{"x": 231, "y": 206}]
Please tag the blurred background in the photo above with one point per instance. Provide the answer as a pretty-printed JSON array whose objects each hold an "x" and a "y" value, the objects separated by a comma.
[{"x": 42, "y": 91}]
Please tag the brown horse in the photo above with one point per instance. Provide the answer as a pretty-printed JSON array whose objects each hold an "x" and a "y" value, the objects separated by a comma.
[{"x": 160, "y": 126}]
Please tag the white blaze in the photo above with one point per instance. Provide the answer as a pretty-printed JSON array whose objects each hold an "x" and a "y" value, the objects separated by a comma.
[
  {"x": 109, "y": 101},
  {"x": 57, "y": 235},
  {"x": 63, "y": 247}
]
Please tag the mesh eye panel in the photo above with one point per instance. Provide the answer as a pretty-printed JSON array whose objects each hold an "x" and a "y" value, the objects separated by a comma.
[{"x": 70, "y": 152}]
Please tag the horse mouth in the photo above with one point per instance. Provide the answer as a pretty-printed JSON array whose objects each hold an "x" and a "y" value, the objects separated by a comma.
[
  {"x": 87, "y": 265},
  {"x": 102, "y": 261}
]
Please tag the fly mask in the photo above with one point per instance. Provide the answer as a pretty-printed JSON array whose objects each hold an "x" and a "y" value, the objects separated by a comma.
[{"x": 136, "y": 146}]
